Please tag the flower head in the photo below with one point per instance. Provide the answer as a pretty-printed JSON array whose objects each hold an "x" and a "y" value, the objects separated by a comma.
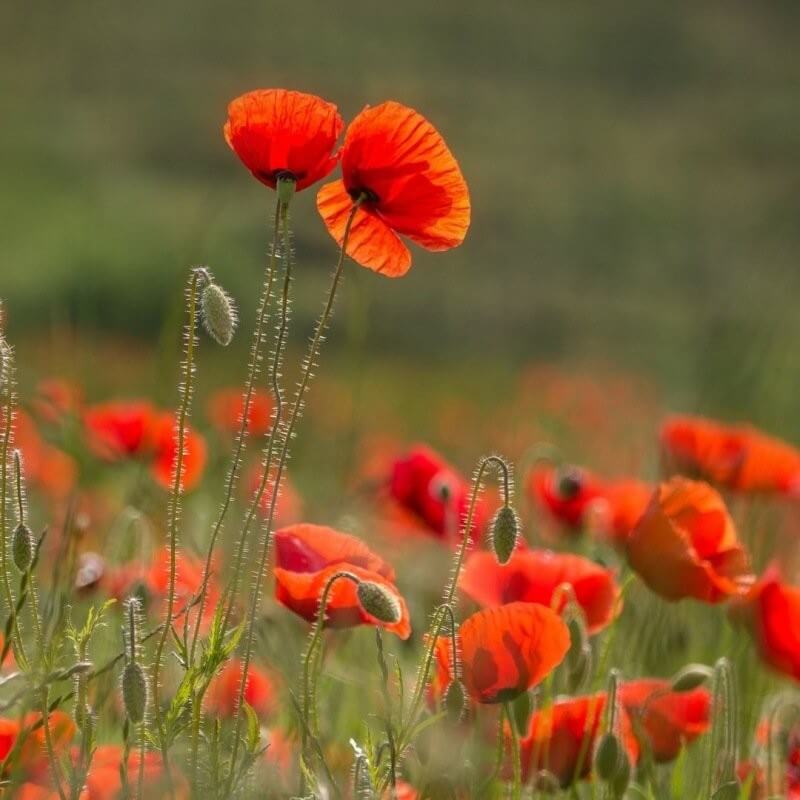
[
  {"x": 396, "y": 165},
  {"x": 283, "y": 134}
]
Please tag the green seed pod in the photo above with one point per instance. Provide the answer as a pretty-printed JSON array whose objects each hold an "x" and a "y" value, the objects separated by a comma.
[
  {"x": 690, "y": 677},
  {"x": 134, "y": 692},
  {"x": 454, "y": 701},
  {"x": 379, "y": 602},
  {"x": 22, "y": 547},
  {"x": 608, "y": 757},
  {"x": 219, "y": 314},
  {"x": 505, "y": 530}
]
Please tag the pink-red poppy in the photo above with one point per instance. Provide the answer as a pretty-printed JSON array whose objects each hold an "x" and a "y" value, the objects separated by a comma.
[
  {"x": 226, "y": 407},
  {"x": 280, "y": 134},
  {"x": 120, "y": 428},
  {"x": 509, "y": 649},
  {"x": 308, "y": 556},
  {"x": 685, "y": 544},
  {"x": 223, "y": 693},
  {"x": 668, "y": 719},
  {"x": 434, "y": 493},
  {"x": 542, "y": 576},
  {"x": 165, "y": 444},
  {"x": 739, "y": 457},
  {"x": 562, "y": 737},
  {"x": 408, "y": 183}
]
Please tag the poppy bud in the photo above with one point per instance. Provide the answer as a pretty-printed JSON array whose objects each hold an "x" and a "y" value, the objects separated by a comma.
[
  {"x": 379, "y": 602},
  {"x": 219, "y": 314},
  {"x": 608, "y": 757},
  {"x": 690, "y": 677},
  {"x": 134, "y": 691},
  {"x": 505, "y": 530},
  {"x": 22, "y": 547},
  {"x": 454, "y": 700},
  {"x": 578, "y": 660}
]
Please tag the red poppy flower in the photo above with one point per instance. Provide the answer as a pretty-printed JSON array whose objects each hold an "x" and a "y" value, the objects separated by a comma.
[
  {"x": 120, "y": 429},
  {"x": 166, "y": 454},
  {"x": 47, "y": 468},
  {"x": 753, "y": 772},
  {"x": 278, "y": 133},
  {"x": 427, "y": 487},
  {"x": 739, "y": 457},
  {"x": 669, "y": 719},
  {"x": 410, "y": 183},
  {"x": 225, "y": 409},
  {"x": 685, "y": 545},
  {"x": 307, "y": 556},
  {"x": 771, "y": 611},
  {"x": 259, "y": 691},
  {"x": 508, "y": 649},
  {"x": 562, "y": 738},
  {"x": 32, "y": 758},
  {"x": 534, "y": 576},
  {"x": 622, "y": 507},
  {"x": 566, "y": 494}
]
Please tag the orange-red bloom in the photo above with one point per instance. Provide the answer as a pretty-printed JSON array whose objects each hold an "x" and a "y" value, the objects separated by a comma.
[
  {"x": 771, "y": 611},
  {"x": 668, "y": 719},
  {"x": 308, "y": 556},
  {"x": 539, "y": 576},
  {"x": 685, "y": 545},
  {"x": 120, "y": 429},
  {"x": 166, "y": 453},
  {"x": 283, "y": 134},
  {"x": 562, "y": 738},
  {"x": 409, "y": 184},
  {"x": 105, "y": 783},
  {"x": 738, "y": 457},
  {"x": 423, "y": 484},
  {"x": 259, "y": 690},
  {"x": 508, "y": 649},
  {"x": 226, "y": 407},
  {"x": 47, "y": 468}
]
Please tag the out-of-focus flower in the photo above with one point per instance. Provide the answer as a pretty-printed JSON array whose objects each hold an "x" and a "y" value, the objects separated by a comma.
[
  {"x": 685, "y": 544},
  {"x": 120, "y": 429},
  {"x": 308, "y": 556},
  {"x": 668, "y": 719},
  {"x": 739, "y": 457},
  {"x": 47, "y": 468},
  {"x": 540, "y": 576},
  {"x": 226, "y": 407},
  {"x": 289, "y": 505},
  {"x": 223, "y": 693},
  {"x": 105, "y": 783},
  {"x": 562, "y": 738},
  {"x": 165, "y": 456},
  {"x": 280, "y": 134},
  {"x": 423, "y": 484},
  {"x": 57, "y": 398},
  {"x": 397, "y": 165},
  {"x": 509, "y": 649}
]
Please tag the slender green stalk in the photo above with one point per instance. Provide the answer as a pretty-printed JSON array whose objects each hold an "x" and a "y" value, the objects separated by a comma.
[
  {"x": 516, "y": 790},
  {"x": 305, "y": 378},
  {"x": 175, "y": 498},
  {"x": 241, "y": 436},
  {"x": 387, "y": 702},
  {"x": 55, "y": 769}
]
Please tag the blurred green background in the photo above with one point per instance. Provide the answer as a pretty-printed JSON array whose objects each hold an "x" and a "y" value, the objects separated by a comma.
[{"x": 633, "y": 165}]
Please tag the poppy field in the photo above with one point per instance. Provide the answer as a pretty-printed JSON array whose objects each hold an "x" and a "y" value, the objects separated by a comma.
[{"x": 399, "y": 423}]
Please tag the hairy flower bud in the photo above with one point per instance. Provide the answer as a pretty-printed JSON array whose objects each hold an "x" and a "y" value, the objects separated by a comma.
[
  {"x": 379, "y": 602},
  {"x": 22, "y": 547},
  {"x": 134, "y": 691},
  {"x": 690, "y": 677},
  {"x": 454, "y": 700},
  {"x": 505, "y": 530},
  {"x": 219, "y": 314}
]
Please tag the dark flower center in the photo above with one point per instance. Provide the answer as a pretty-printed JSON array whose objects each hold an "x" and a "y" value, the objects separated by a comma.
[{"x": 366, "y": 195}]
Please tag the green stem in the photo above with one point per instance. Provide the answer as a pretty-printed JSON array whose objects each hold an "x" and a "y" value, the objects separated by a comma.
[
  {"x": 55, "y": 770},
  {"x": 175, "y": 498},
  {"x": 516, "y": 792},
  {"x": 305, "y": 378}
]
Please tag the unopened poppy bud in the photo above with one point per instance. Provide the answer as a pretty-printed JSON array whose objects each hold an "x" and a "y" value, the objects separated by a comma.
[
  {"x": 619, "y": 785},
  {"x": 505, "y": 530},
  {"x": 690, "y": 677},
  {"x": 608, "y": 757},
  {"x": 219, "y": 314},
  {"x": 379, "y": 602},
  {"x": 22, "y": 547},
  {"x": 134, "y": 691},
  {"x": 578, "y": 661},
  {"x": 454, "y": 700}
]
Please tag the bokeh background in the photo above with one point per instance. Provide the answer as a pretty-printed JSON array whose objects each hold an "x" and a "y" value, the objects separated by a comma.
[{"x": 634, "y": 173}]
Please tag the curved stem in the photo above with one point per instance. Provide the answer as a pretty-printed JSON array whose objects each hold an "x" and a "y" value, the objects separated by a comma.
[
  {"x": 241, "y": 436},
  {"x": 175, "y": 497},
  {"x": 305, "y": 378}
]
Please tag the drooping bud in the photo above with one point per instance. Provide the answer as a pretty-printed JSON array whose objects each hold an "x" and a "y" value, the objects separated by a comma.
[
  {"x": 690, "y": 677},
  {"x": 454, "y": 701},
  {"x": 134, "y": 691},
  {"x": 505, "y": 530},
  {"x": 219, "y": 313},
  {"x": 22, "y": 547},
  {"x": 379, "y": 602}
]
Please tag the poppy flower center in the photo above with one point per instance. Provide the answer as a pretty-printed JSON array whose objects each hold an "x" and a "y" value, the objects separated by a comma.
[{"x": 364, "y": 194}]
